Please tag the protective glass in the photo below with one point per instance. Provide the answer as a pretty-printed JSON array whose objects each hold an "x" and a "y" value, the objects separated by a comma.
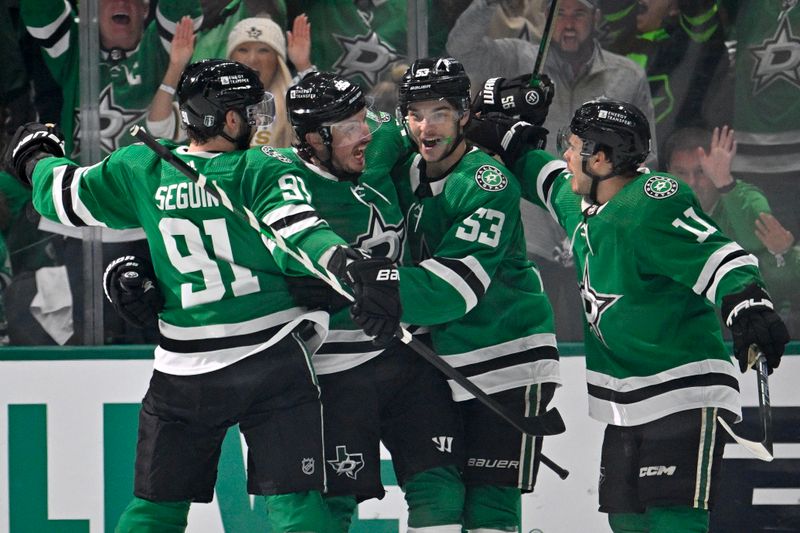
[
  {"x": 355, "y": 129},
  {"x": 562, "y": 139},
  {"x": 262, "y": 114}
]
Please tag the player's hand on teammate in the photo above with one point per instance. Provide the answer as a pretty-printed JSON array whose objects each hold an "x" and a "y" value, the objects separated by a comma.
[
  {"x": 516, "y": 97},
  {"x": 752, "y": 320},
  {"x": 129, "y": 284},
  {"x": 31, "y": 142},
  {"x": 505, "y": 136},
  {"x": 376, "y": 287}
]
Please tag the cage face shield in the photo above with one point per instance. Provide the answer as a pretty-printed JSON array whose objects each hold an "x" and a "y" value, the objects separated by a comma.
[{"x": 262, "y": 113}]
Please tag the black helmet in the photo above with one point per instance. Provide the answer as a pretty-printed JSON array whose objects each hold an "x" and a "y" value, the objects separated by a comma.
[
  {"x": 619, "y": 128},
  {"x": 432, "y": 79},
  {"x": 210, "y": 88},
  {"x": 320, "y": 98}
]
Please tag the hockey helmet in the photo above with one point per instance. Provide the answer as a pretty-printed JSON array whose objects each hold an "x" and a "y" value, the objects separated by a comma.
[
  {"x": 321, "y": 99},
  {"x": 433, "y": 79},
  {"x": 210, "y": 88},
  {"x": 618, "y": 128}
]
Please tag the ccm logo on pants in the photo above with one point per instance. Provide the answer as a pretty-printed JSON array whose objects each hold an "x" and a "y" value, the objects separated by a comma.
[{"x": 656, "y": 471}]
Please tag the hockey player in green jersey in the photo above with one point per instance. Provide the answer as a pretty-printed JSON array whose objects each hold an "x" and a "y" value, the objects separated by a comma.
[
  {"x": 472, "y": 284},
  {"x": 133, "y": 58},
  {"x": 228, "y": 321},
  {"x": 651, "y": 269},
  {"x": 370, "y": 393}
]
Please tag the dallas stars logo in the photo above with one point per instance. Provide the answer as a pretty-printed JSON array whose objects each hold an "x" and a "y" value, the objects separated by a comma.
[
  {"x": 659, "y": 187},
  {"x": 490, "y": 178},
  {"x": 381, "y": 239},
  {"x": 777, "y": 59},
  {"x": 595, "y": 303},
  {"x": 115, "y": 121},
  {"x": 365, "y": 55},
  {"x": 349, "y": 464}
]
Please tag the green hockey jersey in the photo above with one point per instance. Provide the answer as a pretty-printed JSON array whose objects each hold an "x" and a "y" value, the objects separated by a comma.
[
  {"x": 365, "y": 214},
  {"x": 128, "y": 80},
  {"x": 224, "y": 290},
  {"x": 651, "y": 268},
  {"x": 472, "y": 282}
]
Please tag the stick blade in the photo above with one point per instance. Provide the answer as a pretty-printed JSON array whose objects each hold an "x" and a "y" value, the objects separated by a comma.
[
  {"x": 757, "y": 449},
  {"x": 548, "y": 423}
]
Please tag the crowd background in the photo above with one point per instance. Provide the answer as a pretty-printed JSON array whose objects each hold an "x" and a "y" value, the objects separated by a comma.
[{"x": 720, "y": 80}]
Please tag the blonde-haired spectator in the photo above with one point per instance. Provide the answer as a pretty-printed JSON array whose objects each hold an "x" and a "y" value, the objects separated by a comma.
[{"x": 257, "y": 42}]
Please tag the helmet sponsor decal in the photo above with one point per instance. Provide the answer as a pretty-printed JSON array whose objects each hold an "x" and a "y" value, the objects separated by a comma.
[
  {"x": 659, "y": 187},
  {"x": 490, "y": 178}
]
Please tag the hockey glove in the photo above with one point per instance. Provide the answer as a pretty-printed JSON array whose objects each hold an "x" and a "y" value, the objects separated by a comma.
[
  {"x": 376, "y": 287},
  {"x": 314, "y": 293},
  {"x": 507, "y": 137},
  {"x": 750, "y": 316},
  {"x": 516, "y": 98},
  {"x": 130, "y": 287},
  {"x": 32, "y": 142}
]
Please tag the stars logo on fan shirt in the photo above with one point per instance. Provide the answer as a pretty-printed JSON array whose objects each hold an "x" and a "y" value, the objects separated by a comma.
[
  {"x": 659, "y": 187},
  {"x": 364, "y": 55},
  {"x": 777, "y": 59},
  {"x": 490, "y": 178},
  {"x": 115, "y": 121},
  {"x": 349, "y": 464},
  {"x": 595, "y": 303}
]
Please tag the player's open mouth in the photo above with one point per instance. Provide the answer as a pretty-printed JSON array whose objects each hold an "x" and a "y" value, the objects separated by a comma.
[{"x": 430, "y": 143}]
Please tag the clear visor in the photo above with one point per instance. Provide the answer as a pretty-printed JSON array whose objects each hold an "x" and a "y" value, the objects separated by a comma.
[
  {"x": 562, "y": 139},
  {"x": 262, "y": 114},
  {"x": 434, "y": 117},
  {"x": 355, "y": 130}
]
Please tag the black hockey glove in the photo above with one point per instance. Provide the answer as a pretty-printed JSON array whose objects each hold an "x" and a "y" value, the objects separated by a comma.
[
  {"x": 516, "y": 98},
  {"x": 314, "y": 293},
  {"x": 750, "y": 316},
  {"x": 507, "y": 137},
  {"x": 32, "y": 142},
  {"x": 376, "y": 287},
  {"x": 129, "y": 284}
]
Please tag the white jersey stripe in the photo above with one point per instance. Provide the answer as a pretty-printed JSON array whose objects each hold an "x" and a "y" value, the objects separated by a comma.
[
  {"x": 475, "y": 266},
  {"x": 706, "y": 366},
  {"x": 712, "y": 264},
  {"x": 78, "y": 206},
  {"x": 724, "y": 269},
  {"x": 454, "y": 280},
  {"x": 215, "y": 331},
  {"x": 286, "y": 211},
  {"x": 655, "y": 407},
  {"x": 510, "y": 377},
  {"x": 546, "y": 170},
  {"x": 500, "y": 350}
]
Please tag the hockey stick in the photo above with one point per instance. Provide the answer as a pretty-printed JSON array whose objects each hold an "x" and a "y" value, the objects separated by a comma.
[
  {"x": 762, "y": 449},
  {"x": 548, "y": 423},
  {"x": 544, "y": 44}
]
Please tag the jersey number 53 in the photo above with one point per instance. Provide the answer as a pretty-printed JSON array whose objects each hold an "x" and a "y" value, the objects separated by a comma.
[{"x": 474, "y": 228}]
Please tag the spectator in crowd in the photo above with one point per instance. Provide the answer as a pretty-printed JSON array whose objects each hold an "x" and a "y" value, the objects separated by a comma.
[
  {"x": 681, "y": 46},
  {"x": 133, "y": 59},
  {"x": 581, "y": 71},
  {"x": 767, "y": 101},
  {"x": 257, "y": 42},
  {"x": 703, "y": 160},
  {"x": 364, "y": 39}
]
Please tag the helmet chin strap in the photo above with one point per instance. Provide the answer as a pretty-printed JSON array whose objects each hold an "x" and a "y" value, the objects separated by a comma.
[{"x": 596, "y": 179}]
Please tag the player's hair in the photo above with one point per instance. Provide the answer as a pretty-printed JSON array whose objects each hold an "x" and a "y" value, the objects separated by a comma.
[{"x": 208, "y": 89}]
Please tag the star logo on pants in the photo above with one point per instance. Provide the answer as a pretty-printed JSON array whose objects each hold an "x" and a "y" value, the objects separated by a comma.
[{"x": 349, "y": 464}]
